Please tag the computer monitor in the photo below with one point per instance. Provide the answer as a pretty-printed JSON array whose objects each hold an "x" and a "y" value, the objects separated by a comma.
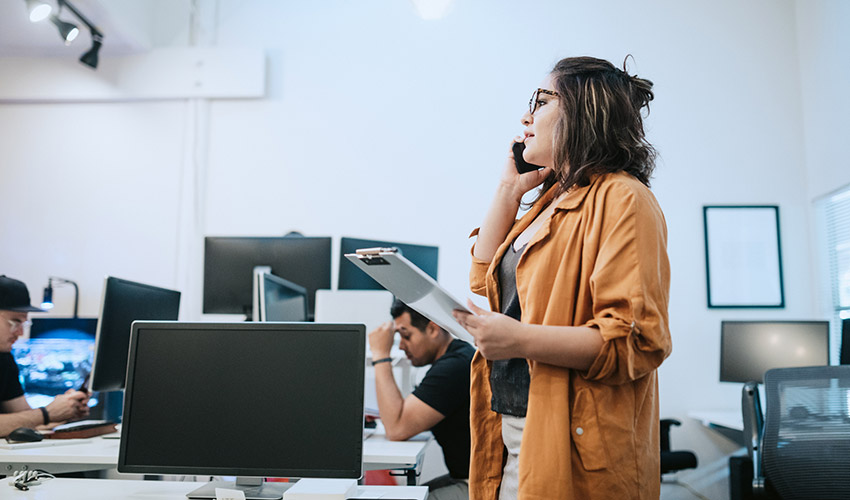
[
  {"x": 229, "y": 264},
  {"x": 351, "y": 278},
  {"x": 50, "y": 366},
  {"x": 56, "y": 358},
  {"x": 244, "y": 399},
  {"x": 750, "y": 348},
  {"x": 844, "y": 354},
  {"x": 123, "y": 302},
  {"x": 64, "y": 328},
  {"x": 277, "y": 299}
]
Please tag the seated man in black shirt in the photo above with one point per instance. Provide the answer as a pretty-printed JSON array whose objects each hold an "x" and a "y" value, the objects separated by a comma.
[
  {"x": 440, "y": 402},
  {"x": 14, "y": 410}
]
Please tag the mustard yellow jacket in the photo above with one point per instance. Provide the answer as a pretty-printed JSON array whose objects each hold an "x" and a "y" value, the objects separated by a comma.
[{"x": 601, "y": 262}]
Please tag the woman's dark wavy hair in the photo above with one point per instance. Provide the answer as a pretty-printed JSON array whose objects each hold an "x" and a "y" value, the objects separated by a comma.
[{"x": 600, "y": 128}]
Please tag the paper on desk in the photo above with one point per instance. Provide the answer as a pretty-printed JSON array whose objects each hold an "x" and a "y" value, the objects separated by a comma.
[{"x": 226, "y": 494}]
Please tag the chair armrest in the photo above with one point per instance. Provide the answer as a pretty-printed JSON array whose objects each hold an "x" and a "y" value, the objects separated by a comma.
[
  {"x": 665, "y": 432},
  {"x": 753, "y": 431}
]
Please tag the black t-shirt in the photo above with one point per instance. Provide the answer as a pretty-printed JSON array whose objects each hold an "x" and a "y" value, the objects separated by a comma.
[
  {"x": 445, "y": 388},
  {"x": 10, "y": 384}
]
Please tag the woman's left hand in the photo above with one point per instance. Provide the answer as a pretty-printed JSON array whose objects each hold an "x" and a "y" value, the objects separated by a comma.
[{"x": 497, "y": 336}]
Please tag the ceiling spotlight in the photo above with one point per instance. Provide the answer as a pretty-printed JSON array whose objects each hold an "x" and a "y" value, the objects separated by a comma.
[
  {"x": 38, "y": 10},
  {"x": 68, "y": 31},
  {"x": 90, "y": 58},
  {"x": 431, "y": 10}
]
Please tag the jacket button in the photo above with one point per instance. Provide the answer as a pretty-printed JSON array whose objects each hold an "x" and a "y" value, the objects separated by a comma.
[{"x": 579, "y": 431}]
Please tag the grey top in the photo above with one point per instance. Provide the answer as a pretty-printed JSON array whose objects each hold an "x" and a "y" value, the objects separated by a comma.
[{"x": 509, "y": 378}]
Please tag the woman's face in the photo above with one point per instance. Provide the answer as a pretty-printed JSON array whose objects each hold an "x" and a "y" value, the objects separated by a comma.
[{"x": 540, "y": 127}]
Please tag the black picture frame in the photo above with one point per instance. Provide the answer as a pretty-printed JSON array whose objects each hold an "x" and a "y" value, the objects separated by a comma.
[{"x": 743, "y": 256}]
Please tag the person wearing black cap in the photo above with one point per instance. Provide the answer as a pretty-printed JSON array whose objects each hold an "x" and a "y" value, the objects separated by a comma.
[{"x": 14, "y": 410}]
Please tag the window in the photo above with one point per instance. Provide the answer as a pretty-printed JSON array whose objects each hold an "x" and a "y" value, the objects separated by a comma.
[{"x": 834, "y": 215}]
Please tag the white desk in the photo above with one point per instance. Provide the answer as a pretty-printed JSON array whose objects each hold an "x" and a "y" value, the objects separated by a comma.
[
  {"x": 729, "y": 423},
  {"x": 84, "y": 455},
  {"x": 117, "y": 489},
  {"x": 102, "y": 453}
]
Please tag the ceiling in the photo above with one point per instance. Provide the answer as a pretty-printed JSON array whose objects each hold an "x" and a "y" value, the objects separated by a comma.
[{"x": 127, "y": 26}]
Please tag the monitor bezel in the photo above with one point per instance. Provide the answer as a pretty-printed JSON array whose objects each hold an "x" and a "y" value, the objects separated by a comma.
[
  {"x": 46, "y": 320},
  {"x": 359, "y": 332},
  {"x": 760, "y": 380}
]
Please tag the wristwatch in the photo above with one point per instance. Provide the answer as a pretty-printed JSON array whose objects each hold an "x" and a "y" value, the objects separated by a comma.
[{"x": 382, "y": 360}]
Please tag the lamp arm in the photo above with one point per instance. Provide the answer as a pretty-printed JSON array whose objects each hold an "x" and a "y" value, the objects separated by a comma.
[{"x": 63, "y": 281}]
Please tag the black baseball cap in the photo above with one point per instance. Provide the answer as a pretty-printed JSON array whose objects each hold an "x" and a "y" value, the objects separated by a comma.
[{"x": 14, "y": 296}]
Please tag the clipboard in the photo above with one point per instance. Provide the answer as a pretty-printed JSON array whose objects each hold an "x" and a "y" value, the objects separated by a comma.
[{"x": 412, "y": 286}]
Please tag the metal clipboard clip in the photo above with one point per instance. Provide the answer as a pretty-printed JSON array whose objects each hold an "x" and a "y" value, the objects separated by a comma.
[{"x": 372, "y": 256}]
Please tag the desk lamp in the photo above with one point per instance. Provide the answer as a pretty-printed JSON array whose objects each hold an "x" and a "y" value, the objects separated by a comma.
[{"x": 47, "y": 302}]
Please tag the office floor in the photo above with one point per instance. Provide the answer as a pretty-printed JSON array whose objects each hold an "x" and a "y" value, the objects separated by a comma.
[{"x": 670, "y": 491}]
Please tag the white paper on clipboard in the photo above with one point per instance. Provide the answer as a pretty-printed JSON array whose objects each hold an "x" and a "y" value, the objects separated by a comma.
[{"x": 412, "y": 286}]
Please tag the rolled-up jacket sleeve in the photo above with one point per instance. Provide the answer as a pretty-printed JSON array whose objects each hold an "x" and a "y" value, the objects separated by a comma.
[
  {"x": 630, "y": 286},
  {"x": 478, "y": 271}
]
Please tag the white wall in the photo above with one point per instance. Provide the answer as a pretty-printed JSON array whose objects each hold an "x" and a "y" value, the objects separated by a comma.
[
  {"x": 378, "y": 124},
  {"x": 823, "y": 37}
]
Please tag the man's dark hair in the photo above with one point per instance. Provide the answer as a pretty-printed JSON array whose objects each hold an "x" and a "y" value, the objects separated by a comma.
[{"x": 417, "y": 320}]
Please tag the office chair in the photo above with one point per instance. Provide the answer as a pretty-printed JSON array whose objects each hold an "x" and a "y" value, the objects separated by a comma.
[
  {"x": 672, "y": 461},
  {"x": 800, "y": 446}
]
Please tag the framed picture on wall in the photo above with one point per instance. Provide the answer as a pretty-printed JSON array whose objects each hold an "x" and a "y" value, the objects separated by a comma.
[{"x": 743, "y": 256}]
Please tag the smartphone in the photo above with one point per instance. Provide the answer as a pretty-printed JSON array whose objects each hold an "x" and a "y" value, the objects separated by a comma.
[
  {"x": 522, "y": 166},
  {"x": 84, "y": 387}
]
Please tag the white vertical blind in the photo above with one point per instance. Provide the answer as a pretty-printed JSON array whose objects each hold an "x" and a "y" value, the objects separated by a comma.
[{"x": 835, "y": 210}]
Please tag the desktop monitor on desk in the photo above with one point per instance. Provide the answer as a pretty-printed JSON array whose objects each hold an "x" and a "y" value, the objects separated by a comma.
[
  {"x": 351, "y": 278},
  {"x": 244, "y": 399},
  {"x": 122, "y": 303},
  {"x": 229, "y": 264},
  {"x": 64, "y": 328},
  {"x": 277, "y": 299},
  {"x": 57, "y": 357},
  {"x": 750, "y": 348}
]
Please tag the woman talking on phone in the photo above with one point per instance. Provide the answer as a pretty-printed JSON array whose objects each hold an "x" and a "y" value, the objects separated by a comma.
[{"x": 564, "y": 391}]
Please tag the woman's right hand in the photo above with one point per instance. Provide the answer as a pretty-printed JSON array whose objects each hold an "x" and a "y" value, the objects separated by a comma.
[{"x": 514, "y": 184}]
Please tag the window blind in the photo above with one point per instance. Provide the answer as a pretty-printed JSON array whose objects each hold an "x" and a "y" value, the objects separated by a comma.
[{"x": 836, "y": 219}]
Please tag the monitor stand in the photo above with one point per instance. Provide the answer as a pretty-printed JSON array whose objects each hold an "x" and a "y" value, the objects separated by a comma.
[{"x": 253, "y": 487}]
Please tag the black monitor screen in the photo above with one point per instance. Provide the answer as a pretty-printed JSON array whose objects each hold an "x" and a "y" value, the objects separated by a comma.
[
  {"x": 244, "y": 399},
  {"x": 229, "y": 264},
  {"x": 281, "y": 300},
  {"x": 122, "y": 303},
  {"x": 750, "y": 348},
  {"x": 351, "y": 278}
]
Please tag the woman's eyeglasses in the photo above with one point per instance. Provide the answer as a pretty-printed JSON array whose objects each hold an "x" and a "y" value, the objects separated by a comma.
[{"x": 533, "y": 103}]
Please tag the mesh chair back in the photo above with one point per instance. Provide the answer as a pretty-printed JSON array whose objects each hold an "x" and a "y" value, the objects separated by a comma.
[{"x": 806, "y": 446}]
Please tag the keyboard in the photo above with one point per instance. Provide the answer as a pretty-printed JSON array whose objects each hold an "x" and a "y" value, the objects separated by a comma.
[{"x": 81, "y": 425}]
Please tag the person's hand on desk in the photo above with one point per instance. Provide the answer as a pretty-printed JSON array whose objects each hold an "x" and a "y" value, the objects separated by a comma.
[
  {"x": 69, "y": 406},
  {"x": 381, "y": 340}
]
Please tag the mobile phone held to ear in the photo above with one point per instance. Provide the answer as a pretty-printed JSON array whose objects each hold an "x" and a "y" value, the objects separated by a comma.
[{"x": 522, "y": 166}]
